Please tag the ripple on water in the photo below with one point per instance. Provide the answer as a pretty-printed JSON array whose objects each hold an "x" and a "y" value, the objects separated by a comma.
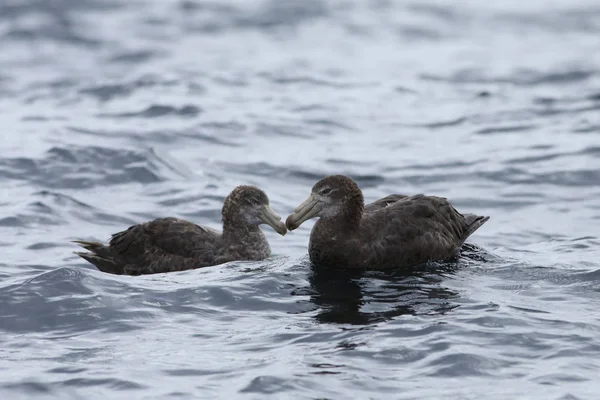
[
  {"x": 67, "y": 303},
  {"x": 158, "y": 110},
  {"x": 84, "y": 167},
  {"x": 406, "y": 98}
]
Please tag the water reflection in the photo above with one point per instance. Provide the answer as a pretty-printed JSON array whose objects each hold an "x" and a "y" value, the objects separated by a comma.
[{"x": 365, "y": 297}]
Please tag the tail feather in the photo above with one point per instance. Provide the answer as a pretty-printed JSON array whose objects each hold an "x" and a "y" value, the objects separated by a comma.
[
  {"x": 100, "y": 256},
  {"x": 474, "y": 222},
  {"x": 91, "y": 246}
]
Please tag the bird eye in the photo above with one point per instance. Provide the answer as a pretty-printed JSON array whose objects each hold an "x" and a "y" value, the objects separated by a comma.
[{"x": 326, "y": 191}]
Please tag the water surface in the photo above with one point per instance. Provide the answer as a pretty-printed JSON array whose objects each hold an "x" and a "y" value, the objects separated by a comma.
[{"x": 115, "y": 112}]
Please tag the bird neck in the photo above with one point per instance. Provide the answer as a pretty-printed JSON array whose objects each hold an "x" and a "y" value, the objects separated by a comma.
[
  {"x": 239, "y": 230},
  {"x": 348, "y": 220}
]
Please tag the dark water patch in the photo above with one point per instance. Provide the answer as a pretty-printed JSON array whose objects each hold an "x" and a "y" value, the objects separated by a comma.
[
  {"x": 40, "y": 118},
  {"x": 545, "y": 101},
  {"x": 36, "y": 213},
  {"x": 594, "y": 97},
  {"x": 580, "y": 178},
  {"x": 109, "y": 92},
  {"x": 194, "y": 301},
  {"x": 529, "y": 310},
  {"x": 453, "y": 365},
  {"x": 326, "y": 125},
  {"x": 513, "y": 175},
  {"x": 212, "y": 18},
  {"x": 557, "y": 379},
  {"x": 589, "y": 128},
  {"x": 554, "y": 78},
  {"x": 67, "y": 370},
  {"x": 579, "y": 19},
  {"x": 232, "y": 81},
  {"x": 505, "y": 129},
  {"x": 326, "y": 369},
  {"x": 209, "y": 133},
  {"x": 527, "y": 275},
  {"x": 419, "y": 179},
  {"x": 30, "y": 387},
  {"x": 208, "y": 17},
  {"x": 90, "y": 166},
  {"x": 64, "y": 207},
  {"x": 520, "y": 77},
  {"x": 541, "y": 147},
  {"x": 134, "y": 57},
  {"x": 346, "y": 163},
  {"x": 206, "y": 204},
  {"x": 593, "y": 151},
  {"x": 587, "y": 276},
  {"x": 269, "y": 385},
  {"x": 287, "y": 79},
  {"x": 110, "y": 383},
  {"x": 553, "y": 111},
  {"x": 63, "y": 34},
  {"x": 282, "y": 173},
  {"x": 64, "y": 304},
  {"x": 59, "y": 22},
  {"x": 181, "y": 395},
  {"x": 57, "y": 84},
  {"x": 443, "y": 13},
  {"x": 358, "y": 298},
  {"x": 271, "y": 129},
  {"x": 266, "y": 169},
  {"x": 193, "y": 6},
  {"x": 283, "y": 13},
  {"x": 157, "y": 111},
  {"x": 192, "y": 372},
  {"x": 403, "y": 89},
  {"x": 416, "y": 32},
  {"x": 307, "y": 108},
  {"x": 54, "y": 208},
  {"x": 442, "y": 124},
  {"x": 27, "y": 389},
  {"x": 55, "y": 90},
  {"x": 19, "y": 9},
  {"x": 230, "y": 128},
  {"x": 533, "y": 159},
  {"x": 62, "y": 199},
  {"x": 458, "y": 164}
]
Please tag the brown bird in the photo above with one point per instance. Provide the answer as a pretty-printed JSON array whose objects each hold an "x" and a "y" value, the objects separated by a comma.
[
  {"x": 171, "y": 244},
  {"x": 393, "y": 232}
]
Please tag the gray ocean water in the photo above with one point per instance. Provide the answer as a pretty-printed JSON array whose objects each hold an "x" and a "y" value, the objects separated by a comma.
[{"x": 117, "y": 112}]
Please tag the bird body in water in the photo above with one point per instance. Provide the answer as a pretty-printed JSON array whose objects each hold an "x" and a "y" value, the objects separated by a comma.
[
  {"x": 171, "y": 244},
  {"x": 393, "y": 232}
]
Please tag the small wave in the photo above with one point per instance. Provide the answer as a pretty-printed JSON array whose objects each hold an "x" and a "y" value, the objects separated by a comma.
[
  {"x": 52, "y": 32},
  {"x": 522, "y": 77},
  {"x": 110, "y": 383},
  {"x": 108, "y": 92},
  {"x": 347, "y": 297},
  {"x": 461, "y": 364},
  {"x": 89, "y": 166},
  {"x": 54, "y": 208},
  {"x": 65, "y": 304},
  {"x": 134, "y": 57},
  {"x": 286, "y": 79},
  {"x": 158, "y": 110},
  {"x": 505, "y": 129}
]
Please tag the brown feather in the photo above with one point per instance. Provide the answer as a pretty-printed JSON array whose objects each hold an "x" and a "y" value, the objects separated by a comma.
[
  {"x": 395, "y": 231},
  {"x": 171, "y": 244}
]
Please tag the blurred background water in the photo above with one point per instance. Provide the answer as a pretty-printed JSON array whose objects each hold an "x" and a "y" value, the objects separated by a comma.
[{"x": 114, "y": 112}]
